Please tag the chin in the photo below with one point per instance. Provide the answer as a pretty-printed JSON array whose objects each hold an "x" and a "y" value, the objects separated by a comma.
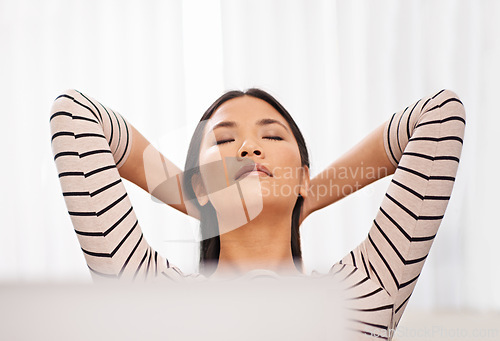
[
  {"x": 251, "y": 190},
  {"x": 262, "y": 196},
  {"x": 233, "y": 204},
  {"x": 252, "y": 198}
]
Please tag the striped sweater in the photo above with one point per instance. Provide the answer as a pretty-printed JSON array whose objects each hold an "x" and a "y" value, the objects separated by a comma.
[{"x": 90, "y": 142}]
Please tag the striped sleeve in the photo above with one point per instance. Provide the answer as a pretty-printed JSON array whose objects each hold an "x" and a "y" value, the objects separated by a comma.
[
  {"x": 424, "y": 141},
  {"x": 90, "y": 142}
]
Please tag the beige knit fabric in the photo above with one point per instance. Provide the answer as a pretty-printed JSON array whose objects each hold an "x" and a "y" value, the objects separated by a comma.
[{"x": 90, "y": 142}]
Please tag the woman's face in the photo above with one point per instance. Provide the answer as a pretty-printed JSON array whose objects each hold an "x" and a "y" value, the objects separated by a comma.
[{"x": 245, "y": 134}]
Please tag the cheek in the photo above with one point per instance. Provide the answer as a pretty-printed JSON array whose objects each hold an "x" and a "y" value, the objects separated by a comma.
[
  {"x": 208, "y": 155},
  {"x": 288, "y": 164},
  {"x": 212, "y": 170}
]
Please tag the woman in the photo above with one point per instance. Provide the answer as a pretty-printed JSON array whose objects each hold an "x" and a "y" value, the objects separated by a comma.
[{"x": 245, "y": 147}]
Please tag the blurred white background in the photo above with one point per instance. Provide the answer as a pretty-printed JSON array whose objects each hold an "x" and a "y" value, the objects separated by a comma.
[{"x": 340, "y": 67}]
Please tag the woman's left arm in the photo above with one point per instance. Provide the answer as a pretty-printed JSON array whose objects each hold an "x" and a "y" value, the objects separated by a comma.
[{"x": 363, "y": 164}]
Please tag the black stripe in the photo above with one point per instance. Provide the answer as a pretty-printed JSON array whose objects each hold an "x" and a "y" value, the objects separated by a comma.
[
  {"x": 98, "y": 170},
  {"x": 408, "y": 283},
  {"x": 436, "y": 197},
  {"x": 91, "y": 103},
  {"x": 402, "y": 304},
  {"x": 81, "y": 214},
  {"x": 89, "y": 234},
  {"x": 437, "y": 139},
  {"x": 126, "y": 144},
  {"x": 353, "y": 260},
  {"x": 384, "y": 307},
  {"x": 408, "y": 120},
  {"x": 119, "y": 132},
  {"x": 389, "y": 138},
  {"x": 432, "y": 158},
  {"x": 397, "y": 130},
  {"x": 177, "y": 270},
  {"x": 450, "y": 118},
  {"x": 430, "y": 217},
  {"x": 93, "y": 152},
  {"x": 358, "y": 283},
  {"x": 75, "y": 117},
  {"x": 105, "y": 233},
  {"x": 62, "y": 133},
  {"x": 60, "y": 113},
  {"x": 405, "y": 262},
  {"x": 423, "y": 176},
  {"x": 408, "y": 189},
  {"x": 376, "y": 274},
  {"x": 342, "y": 268},
  {"x": 104, "y": 210},
  {"x": 119, "y": 221},
  {"x": 156, "y": 263},
  {"x": 110, "y": 255},
  {"x": 400, "y": 228},
  {"x": 370, "y": 324},
  {"x": 448, "y": 178},
  {"x": 383, "y": 260},
  {"x": 364, "y": 264},
  {"x": 149, "y": 263},
  {"x": 439, "y": 92},
  {"x": 58, "y": 155},
  {"x": 349, "y": 275},
  {"x": 70, "y": 174},
  {"x": 79, "y": 103},
  {"x": 366, "y": 295},
  {"x": 131, "y": 254},
  {"x": 110, "y": 123},
  {"x": 413, "y": 215},
  {"x": 78, "y": 136},
  {"x": 423, "y": 106},
  {"x": 75, "y": 194},
  {"x": 421, "y": 197},
  {"x": 444, "y": 103},
  {"x": 401, "y": 206},
  {"x": 140, "y": 264},
  {"x": 105, "y": 187},
  {"x": 63, "y": 96}
]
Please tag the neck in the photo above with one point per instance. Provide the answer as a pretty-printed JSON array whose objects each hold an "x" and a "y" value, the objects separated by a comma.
[{"x": 262, "y": 243}]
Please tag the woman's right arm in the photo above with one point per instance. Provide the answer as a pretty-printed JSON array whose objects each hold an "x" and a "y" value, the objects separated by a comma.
[
  {"x": 90, "y": 142},
  {"x": 150, "y": 170}
]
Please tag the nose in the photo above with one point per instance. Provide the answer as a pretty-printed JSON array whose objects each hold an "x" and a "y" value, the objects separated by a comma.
[{"x": 249, "y": 148}]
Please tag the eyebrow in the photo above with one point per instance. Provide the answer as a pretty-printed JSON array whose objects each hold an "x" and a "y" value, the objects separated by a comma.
[{"x": 262, "y": 122}]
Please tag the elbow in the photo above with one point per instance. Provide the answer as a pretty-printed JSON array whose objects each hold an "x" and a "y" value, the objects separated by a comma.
[
  {"x": 455, "y": 104},
  {"x": 63, "y": 102}
]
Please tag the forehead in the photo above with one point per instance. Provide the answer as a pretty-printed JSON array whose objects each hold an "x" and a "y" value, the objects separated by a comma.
[{"x": 245, "y": 110}]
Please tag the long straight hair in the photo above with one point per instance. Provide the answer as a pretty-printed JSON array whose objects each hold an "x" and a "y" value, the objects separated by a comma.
[{"x": 210, "y": 246}]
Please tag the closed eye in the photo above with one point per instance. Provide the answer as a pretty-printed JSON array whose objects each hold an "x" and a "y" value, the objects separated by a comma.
[
  {"x": 224, "y": 141},
  {"x": 276, "y": 138}
]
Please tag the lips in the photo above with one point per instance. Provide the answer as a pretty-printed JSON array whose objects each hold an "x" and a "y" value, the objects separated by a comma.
[{"x": 249, "y": 168}]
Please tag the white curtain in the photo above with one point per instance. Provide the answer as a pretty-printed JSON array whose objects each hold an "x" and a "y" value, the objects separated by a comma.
[{"x": 340, "y": 67}]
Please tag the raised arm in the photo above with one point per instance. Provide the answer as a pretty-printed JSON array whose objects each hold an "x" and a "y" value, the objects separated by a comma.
[
  {"x": 144, "y": 165},
  {"x": 363, "y": 164},
  {"x": 425, "y": 142},
  {"x": 90, "y": 142}
]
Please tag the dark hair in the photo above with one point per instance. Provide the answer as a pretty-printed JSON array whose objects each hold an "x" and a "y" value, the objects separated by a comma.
[{"x": 210, "y": 247}]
